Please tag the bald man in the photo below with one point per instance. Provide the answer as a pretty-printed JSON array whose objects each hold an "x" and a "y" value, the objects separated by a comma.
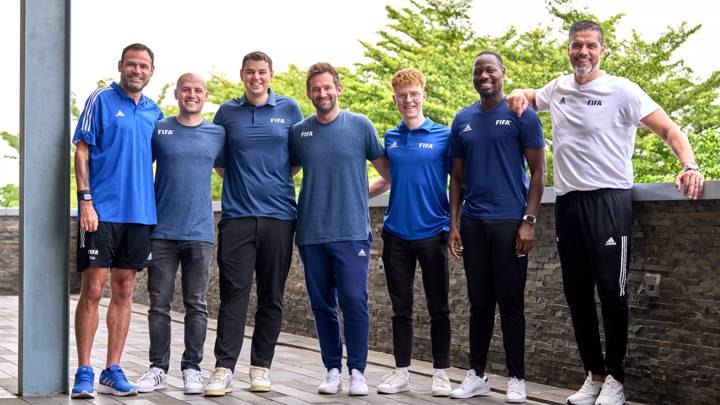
[{"x": 186, "y": 148}]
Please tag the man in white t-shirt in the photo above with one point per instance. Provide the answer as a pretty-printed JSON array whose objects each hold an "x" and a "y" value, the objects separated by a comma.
[{"x": 595, "y": 116}]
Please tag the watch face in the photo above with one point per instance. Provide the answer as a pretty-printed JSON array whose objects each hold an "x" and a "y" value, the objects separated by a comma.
[{"x": 529, "y": 219}]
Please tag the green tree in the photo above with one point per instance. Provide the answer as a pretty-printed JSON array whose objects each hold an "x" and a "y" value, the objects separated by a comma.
[{"x": 10, "y": 193}]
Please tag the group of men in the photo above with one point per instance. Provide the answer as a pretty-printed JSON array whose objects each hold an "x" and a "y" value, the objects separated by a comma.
[{"x": 257, "y": 142}]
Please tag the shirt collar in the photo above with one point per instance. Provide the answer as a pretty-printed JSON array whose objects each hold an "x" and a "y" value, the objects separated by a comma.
[
  {"x": 124, "y": 95},
  {"x": 425, "y": 126},
  {"x": 271, "y": 101}
]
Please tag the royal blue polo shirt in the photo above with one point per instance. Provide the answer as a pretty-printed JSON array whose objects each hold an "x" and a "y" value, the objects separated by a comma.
[
  {"x": 419, "y": 167},
  {"x": 493, "y": 145},
  {"x": 185, "y": 159},
  {"x": 118, "y": 132},
  {"x": 257, "y": 179}
]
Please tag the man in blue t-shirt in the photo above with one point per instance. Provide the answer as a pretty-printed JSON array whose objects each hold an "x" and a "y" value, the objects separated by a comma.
[
  {"x": 333, "y": 232},
  {"x": 116, "y": 208},
  {"x": 258, "y": 221},
  {"x": 415, "y": 229},
  {"x": 186, "y": 148},
  {"x": 489, "y": 146}
]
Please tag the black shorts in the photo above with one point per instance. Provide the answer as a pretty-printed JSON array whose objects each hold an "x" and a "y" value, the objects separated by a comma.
[{"x": 114, "y": 245}]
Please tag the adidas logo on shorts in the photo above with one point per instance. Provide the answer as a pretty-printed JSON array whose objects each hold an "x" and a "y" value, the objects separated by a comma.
[
  {"x": 362, "y": 253},
  {"x": 610, "y": 242}
]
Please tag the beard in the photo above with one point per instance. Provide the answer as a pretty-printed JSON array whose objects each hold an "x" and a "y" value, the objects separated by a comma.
[
  {"x": 133, "y": 86},
  {"x": 584, "y": 71},
  {"x": 324, "y": 110}
]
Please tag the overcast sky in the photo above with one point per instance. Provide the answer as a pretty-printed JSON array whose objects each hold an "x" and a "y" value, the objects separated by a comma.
[{"x": 213, "y": 35}]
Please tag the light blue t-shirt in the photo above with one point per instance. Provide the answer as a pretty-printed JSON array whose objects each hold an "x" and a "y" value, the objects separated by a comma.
[
  {"x": 185, "y": 159},
  {"x": 257, "y": 179},
  {"x": 419, "y": 167},
  {"x": 493, "y": 145},
  {"x": 333, "y": 202},
  {"x": 118, "y": 132}
]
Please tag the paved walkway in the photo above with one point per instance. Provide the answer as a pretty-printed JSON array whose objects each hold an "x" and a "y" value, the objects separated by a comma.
[{"x": 296, "y": 372}]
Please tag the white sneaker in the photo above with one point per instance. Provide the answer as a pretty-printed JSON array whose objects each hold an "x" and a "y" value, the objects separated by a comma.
[
  {"x": 612, "y": 392},
  {"x": 259, "y": 379},
  {"x": 587, "y": 394},
  {"x": 516, "y": 391},
  {"x": 397, "y": 381},
  {"x": 192, "y": 381},
  {"x": 471, "y": 386},
  {"x": 154, "y": 379},
  {"x": 332, "y": 383},
  {"x": 358, "y": 384},
  {"x": 441, "y": 385},
  {"x": 220, "y": 382}
]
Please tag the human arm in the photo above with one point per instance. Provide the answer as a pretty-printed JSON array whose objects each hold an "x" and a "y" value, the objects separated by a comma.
[
  {"x": 519, "y": 100},
  {"x": 526, "y": 234},
  {"x": 381, "y": 185},
  {"x": 457, "y": 179},
  {"x": 688, "y": 182},
  {"x": 87, "y": 215}
]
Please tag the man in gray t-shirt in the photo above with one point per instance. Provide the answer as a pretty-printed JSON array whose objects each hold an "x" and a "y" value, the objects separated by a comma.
[
  {"x": 185, "y": 148},
  {"x": 333, "y": 228}
]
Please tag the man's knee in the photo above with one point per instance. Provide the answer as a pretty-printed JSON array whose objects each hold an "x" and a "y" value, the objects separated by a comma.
[{"x": 121, "y": 284}]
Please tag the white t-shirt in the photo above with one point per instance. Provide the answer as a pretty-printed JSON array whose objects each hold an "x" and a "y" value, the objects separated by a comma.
[{"x": 594, "y": 127}]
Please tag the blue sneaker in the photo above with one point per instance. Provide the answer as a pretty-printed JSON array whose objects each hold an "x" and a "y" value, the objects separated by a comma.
[
  {"x": 84, "y": 378},
  {"x": 113, "y": 382}
]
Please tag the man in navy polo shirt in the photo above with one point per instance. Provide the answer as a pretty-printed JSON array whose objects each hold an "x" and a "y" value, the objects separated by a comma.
[
  {"x": 333, "y": 234},
  {"x": 116, "y": 207},
  {"x": 258, "y": 221},
  {"x": 186, "y": 149},
  {"x": 415, "y": 229},
  {"x": 489, "y": 146}
]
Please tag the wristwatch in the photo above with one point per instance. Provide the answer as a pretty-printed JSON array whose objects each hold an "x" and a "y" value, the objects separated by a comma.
[
  {"x": 84, "y": 195},
  {"x": 691, "y": 166},
  {"x": 530, "y": 219}
]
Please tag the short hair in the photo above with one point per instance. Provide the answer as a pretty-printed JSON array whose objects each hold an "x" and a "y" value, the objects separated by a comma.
[
  {"x": 491, "y": 53},
  {"x": 257, "y": 56},
  {"x": 138, "y": 47},
  {"x": 186, "y": 75},
  {"x": 320, "y": 68},
  {"x": 408, "y": 77},
  {"x": 585, "y": 25}
]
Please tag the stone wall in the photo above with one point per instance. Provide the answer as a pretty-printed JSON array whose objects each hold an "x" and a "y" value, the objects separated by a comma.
[{"x": 674, "y": 295}]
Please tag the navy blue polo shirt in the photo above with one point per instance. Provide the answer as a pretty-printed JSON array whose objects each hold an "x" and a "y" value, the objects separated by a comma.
[
  {"x": 257, "y": 179},
  {"x": 493, "y": 145},
  {"x": 419, "y": 167},
  {"x": 118, "y": 134},
  {"x": 185, "y": 159}
]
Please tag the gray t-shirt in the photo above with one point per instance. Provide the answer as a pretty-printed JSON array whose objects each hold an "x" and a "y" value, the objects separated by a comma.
[
  {"x": 333, "y": 203},
  {"x": 185, "y": 158}
]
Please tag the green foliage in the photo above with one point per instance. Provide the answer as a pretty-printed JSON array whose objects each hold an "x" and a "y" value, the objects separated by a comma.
[
  {"x": 12, "y": 140},
  {"x": 9, "y": 196}
]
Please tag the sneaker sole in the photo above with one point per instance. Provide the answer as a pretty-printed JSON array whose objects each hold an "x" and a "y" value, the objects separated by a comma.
[
  {"x": 260, "y": 388},
  {"x": 392, "y": 390},
  {"x": 216, "y": 393},
  {"x": 358, "y": 393},
  {"x": 470, "y": 395},
  {"x": 441, "y": 393},
  {"x": 198, "y": 390},
  {"x": 104, "y": 389},
  {"x": 329, "y": 392},
  {"x": 516, "y": 401},
  {"x": 82, "y": 395},
  {"x": 146, "y": 390}
]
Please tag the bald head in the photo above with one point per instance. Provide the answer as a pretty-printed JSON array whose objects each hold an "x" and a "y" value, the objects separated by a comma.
[{"x": 191, "y": 94}]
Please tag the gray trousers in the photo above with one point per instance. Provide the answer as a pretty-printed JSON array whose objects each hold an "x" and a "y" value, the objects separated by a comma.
[{"x": 194, "y": 258}]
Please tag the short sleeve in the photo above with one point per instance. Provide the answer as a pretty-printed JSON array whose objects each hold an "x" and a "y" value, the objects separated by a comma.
[
  {"x": 638, "y": 103},
  {"x": 217, "y": 119},
  {"x": 543, "y": 96},
  {"x": 220, "y": 158},
  {"x": 531, "y": 130},
  {"x": 292, "y": 153},
  {"x": 90, "y": 123},
  {"x": 296, "y": 114},
  {"x": 455, "y": 147},
  {"x": 374, "y": 149}
]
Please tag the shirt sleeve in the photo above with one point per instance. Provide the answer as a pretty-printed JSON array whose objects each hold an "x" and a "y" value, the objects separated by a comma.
[
  {"x": 374, "y": 149},
  {"x": 296, "y": 114},
  {"x": 531, "y": 130},
  {"x": 543, "y": 96},
  {"x": 89, "y": 125},
  {"x": 455, "y": 147},
  {"x": 292, "y": 153},
  {"x": 638, "y": 103},
  {"x": 217, "y": 119},
  {"x": 220, "y": 158}
]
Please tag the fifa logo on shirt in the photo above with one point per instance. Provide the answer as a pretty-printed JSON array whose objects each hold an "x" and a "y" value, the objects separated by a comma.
[
  {"x": 165, "y": 132},
  {"x": 502, "y": 122},
  {"x": 425, "y": 145},
  {"x": 277, "y": 120},
  {"x": 306, "y": 134},
  {"x": 594, "y": 102}
]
